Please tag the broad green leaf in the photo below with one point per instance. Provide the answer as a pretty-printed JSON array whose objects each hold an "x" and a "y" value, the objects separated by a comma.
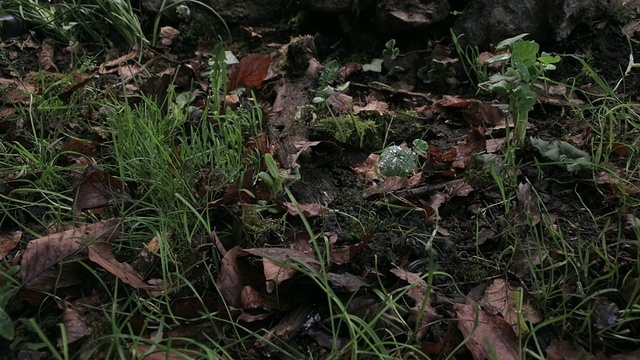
[
  {"x": 570, "y": 157},
  {"x": 343, "y": 87},
  {"x": 420, "y": 147},
  {"x": 397, "y": 161},
  {"x": 325, "y": 92},
  {"x": 7, "y": 330},
  {"x": 508, "y": 43},
  {"x": 499, "y": 57},
  {"x": 548, "y": 59},
  {"x": 525, "y": 51}
]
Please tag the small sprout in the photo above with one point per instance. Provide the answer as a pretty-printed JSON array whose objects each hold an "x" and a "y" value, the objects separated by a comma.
[
  {"x": 329, "y": 74},
  {"x": 390, "y": 51}
]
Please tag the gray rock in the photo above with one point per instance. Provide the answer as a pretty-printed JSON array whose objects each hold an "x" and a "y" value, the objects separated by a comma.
[
  {"x": 403, "y": 15},
  {"x": 329, "y": 6},
  {"x": 490, "y": 21}
]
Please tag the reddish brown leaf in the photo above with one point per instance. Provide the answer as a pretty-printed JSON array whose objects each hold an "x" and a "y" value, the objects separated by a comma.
[
  {"x": 309, "y": 210},
  {"x": 279, "y": 263},
  {"x": 499, "y": 297},
  {"x": 75, "y": 326},
  {"x": 8, "y": 242},
  {"x": 250, "y": 72},
  {"x": 563, "y": 350},
  {"x": 344, "y": 254},
  {"x": 454, "y": 101},
  {"x": 229, "y": 282},
  {"x": 46, "y": 54},
  {"x": 84, "y": 147},
  {"x": 421, "y": 314},
  {"x": 473, "y": 143},
  {"x": 43, "y": 262},
  {"x": 99, "y": 189},
  {"x": 100, "y": 253},
  {"x": 486, "y": 329},
  {"x": 81, "y": 81},
  {"x": 346, "y": 281},
  {"x": 481, "y": 113}
]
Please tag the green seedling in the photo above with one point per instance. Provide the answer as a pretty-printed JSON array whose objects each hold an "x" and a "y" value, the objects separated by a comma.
[
  {"x": 273, "y": 177},
  {"x": 398, "y": 161},
  {"x": 390, "y": 51},
  {"x": 518, "y": 80},
  {"x": 476, "y": 71}
]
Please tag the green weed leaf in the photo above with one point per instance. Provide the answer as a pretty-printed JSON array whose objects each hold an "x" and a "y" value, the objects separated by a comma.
[
  {"x": 329, "y": 73},
  {"x": 570, "y": 157},
  {"x": 397, "y": 161},
  {"x": 525, "y": 52},
  {"x": 420, "y": 147},
  {"x": 7, "y": 330},
  {"x": 390, "y": 51},
  {"x": 508, "y": 43}
]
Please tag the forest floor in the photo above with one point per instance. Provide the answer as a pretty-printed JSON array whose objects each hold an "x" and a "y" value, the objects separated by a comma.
[{"x": 322, "y": 198}]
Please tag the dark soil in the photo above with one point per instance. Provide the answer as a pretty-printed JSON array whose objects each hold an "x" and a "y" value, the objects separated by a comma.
[{"x": 402, "y": 231}]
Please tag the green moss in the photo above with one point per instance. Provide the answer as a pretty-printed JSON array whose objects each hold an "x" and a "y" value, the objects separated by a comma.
[{"x": 347, "y": 129}]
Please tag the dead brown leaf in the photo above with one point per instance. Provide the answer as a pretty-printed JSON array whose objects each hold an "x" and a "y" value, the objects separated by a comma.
[
  {"x": 100, "y": 253},
  {"x": 279, "y": 263},
  {"x": 75, "y": 326},
  {"x": 488, "y": 333},
  {"x": 421, "y": 314},
  {"x": 99, "y": 189},
  {"x": 346, "y": 281},
  {"x": 473, "y": 143},
  {"x": 45, "y": 262},
  {"x": 344, "y": 254},
  {"x": 308, "y": 210},
  {"x": 499, "y": 298},
  {"x": 47, "y": 52},
  {"x": 230, "y": 282},
  {"x": 8, "y": 242},
  {"x": 564, "y": 350},
  {"x": 250, "y": 72}
]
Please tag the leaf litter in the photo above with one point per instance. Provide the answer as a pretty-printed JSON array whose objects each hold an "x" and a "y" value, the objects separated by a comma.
[{"x": 265, "y": 285}]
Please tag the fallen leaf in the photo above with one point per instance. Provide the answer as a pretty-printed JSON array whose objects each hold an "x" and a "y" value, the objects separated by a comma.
[
  {"x": 488, "y": 333},
  {"x": 119, "y": 62},
  {"x": 279, "y": 263},
  {"x": 8, "y": 242},
  {"x": 346, "y": 281},
  {"x": 473, "y": 143},
  {"x": 47, "y": 51},
  {"x": 46, "y": 261},
  {"x": 308, "y": 210},
  {"x": 229, "y": 282},
  {"x": 499, "y": 297},
  {"x": 454, "y": 101},
  {"x": 100, "y": 253},
  {"x": 344, "y": 254},
  {"x": 99, "y": 189},
  {"x": 421, "y": 314},
  {"x": 250, "y": 72},
  {"x": 75, "y": 327},
  {"x": 166, "y": 36},
  {"x": 564, "y": 350}
]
